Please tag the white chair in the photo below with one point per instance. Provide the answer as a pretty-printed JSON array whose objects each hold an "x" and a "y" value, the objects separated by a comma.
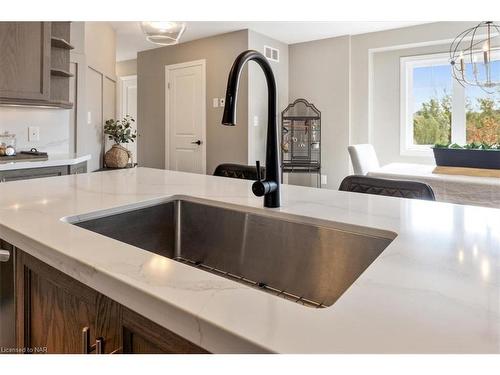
[{"x": 363, "y": 157}]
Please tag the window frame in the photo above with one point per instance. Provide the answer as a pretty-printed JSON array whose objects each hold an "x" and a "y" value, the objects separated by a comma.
[{"x": 458, "y": 130}]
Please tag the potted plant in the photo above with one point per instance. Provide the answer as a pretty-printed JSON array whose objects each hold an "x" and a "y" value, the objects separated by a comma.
[
  {"x": 121, "y": 132},
  {"x": 472, "y": 155}
]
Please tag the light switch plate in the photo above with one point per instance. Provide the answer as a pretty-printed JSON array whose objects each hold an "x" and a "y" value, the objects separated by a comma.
[
  {"x": 222, "y": 102},
  {"x": 255, "y": 121},
  {"x": 324, "y": 179},
  {"x": 89, "y": 117},
  {"x": 215, "y": 102},
  {"x": 33, "y": 133}
]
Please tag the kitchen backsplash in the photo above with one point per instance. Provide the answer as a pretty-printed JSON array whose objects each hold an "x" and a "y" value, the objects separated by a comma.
[{"x": 53, "y": 123}]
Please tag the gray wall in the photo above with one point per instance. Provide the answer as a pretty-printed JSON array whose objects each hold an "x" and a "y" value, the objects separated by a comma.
[
  {"x": 386, "y": 103},
  {"x": 224, "y": 144},
  {"x": 257, "y": 94},
  {"x": 126, "y": 68},
  {"x": 361, "y": 66},
  {"x": 319, "y": 72}
]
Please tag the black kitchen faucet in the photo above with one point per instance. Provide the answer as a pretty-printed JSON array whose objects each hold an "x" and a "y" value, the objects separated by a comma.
[{"x": 270, "y": 186}]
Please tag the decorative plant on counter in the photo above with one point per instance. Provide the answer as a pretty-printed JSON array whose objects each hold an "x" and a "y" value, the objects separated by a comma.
[
  {"x": 119, "y": 131},
  {"x": 470, "y": 146},
  {"x": 469, "y": 155}
]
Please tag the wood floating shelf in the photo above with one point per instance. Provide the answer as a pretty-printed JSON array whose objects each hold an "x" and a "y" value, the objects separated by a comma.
[
  {"x": 60, "y": 73},
  {"x": 62, "y": 104},
  {"x": 60, "y": 43}
]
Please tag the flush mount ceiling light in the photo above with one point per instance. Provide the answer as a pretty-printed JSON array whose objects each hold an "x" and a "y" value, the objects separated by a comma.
[
  {"x": 164, "y": 33},
  {"x": 474, "y": 56}
]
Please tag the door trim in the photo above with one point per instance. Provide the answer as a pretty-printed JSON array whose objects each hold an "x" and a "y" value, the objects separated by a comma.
[
  {"x": 122, "y": 84},
  {"x": 169, "y": 68},
  {"x": 120, "y": 92}
]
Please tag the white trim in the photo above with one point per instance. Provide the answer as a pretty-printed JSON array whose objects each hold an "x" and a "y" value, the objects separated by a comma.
[
  {"x": 458, "y": 115},
  {"x": 121, "y": 96},
  {"x": 203, "y": 146},
  {"x": 407, "y": 64},
  {"x": 120, "y": 93}
]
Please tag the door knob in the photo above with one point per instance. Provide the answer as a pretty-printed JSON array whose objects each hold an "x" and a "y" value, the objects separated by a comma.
[{"x": 198, "y": 142}]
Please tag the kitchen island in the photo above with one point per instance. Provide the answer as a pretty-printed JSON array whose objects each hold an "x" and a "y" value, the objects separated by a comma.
[{"x": 434, "y": 289}]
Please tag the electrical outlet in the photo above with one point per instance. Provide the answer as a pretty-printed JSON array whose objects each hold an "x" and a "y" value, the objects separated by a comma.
[
  {"x": 215, "y": 102},
  {"x": 33, "y": 133},
  {"x": 324, "y": 179}
]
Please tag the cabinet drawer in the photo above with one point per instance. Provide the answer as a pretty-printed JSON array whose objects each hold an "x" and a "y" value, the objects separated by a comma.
[{"x": 30, "y": 173}]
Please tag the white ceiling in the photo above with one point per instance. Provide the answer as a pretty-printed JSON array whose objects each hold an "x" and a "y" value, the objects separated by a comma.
[{"x": 131, "y": 40}]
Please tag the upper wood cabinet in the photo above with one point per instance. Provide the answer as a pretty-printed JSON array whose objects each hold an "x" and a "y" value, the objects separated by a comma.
[
  {"x": 25, "y": 60},
  {"x": 34, "y": 63}
]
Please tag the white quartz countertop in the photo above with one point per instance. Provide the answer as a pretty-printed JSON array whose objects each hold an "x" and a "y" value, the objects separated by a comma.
[
  {"x": 53, "y": 160},
  {"x": 435, "y": 289}
]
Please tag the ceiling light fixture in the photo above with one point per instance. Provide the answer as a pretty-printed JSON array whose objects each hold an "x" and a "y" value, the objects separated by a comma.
[
  {"x": 164, "y": 33},
  {"x": 473, "y": 54}
]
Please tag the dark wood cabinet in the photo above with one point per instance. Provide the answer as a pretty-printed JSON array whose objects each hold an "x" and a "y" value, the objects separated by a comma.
[
  {"x": 142, "y": 336},
  {"x": 58, "y": 314},
  {"x": 34, "y": 63},
  {"x": 55, "y": 312}
]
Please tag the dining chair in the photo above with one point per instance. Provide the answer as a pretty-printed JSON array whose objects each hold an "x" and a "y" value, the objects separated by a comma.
[
  {"x": 241, "y": 171},
  {"x": 363, "y": 158},
  {"x": 389, "y": 188}
]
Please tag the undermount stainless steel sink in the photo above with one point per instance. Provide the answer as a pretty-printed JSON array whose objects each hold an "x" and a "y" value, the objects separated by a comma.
[{"x": 309, "y": 264}]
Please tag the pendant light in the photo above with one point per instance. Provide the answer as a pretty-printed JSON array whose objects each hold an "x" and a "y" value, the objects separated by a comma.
[
  {"x": 164, "y": 33},
  {"x": 472, "y": 56}
]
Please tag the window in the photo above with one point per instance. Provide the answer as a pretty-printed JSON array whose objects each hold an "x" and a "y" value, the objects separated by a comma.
[{"x": 435, "y": 108}]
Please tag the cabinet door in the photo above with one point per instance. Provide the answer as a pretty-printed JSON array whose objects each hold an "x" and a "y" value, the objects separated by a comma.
[
  {"x": 55, "y": 312},
  {"x": 142, "y": 336},
  {"x": 25, "y": 60}
]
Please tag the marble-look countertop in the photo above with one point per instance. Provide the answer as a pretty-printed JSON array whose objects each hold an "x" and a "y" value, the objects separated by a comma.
[
  {"x": 435, "y": 289},
  {"x": 53, "y": 160}
]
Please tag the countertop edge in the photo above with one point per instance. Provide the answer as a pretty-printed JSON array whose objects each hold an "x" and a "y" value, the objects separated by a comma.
[{"x": 14, "y": 165}]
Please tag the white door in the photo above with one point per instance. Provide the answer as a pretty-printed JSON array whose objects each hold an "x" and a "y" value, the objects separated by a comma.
[
  {"x": 185, "y": 117},
  {"x": 127, "y": 105}
]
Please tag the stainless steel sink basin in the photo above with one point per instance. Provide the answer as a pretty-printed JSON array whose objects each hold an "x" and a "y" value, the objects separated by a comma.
[{"x": 309, "y": 264}]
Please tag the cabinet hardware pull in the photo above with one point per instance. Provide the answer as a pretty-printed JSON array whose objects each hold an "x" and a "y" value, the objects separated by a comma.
[
  {"x": 85, "y": 340},
  {"x": 4, "y": 255},
  {"x": 116, "y": 351},
  {"x": 99, "y": 345}
]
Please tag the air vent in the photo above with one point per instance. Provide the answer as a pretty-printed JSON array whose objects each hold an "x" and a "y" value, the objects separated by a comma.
[{"x": 271, "y": 53}]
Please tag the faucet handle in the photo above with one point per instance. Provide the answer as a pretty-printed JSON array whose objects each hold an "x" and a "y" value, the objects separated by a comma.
[
  {"x": 257, "y": 165},
  {"x": 262, "y": 187}
]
